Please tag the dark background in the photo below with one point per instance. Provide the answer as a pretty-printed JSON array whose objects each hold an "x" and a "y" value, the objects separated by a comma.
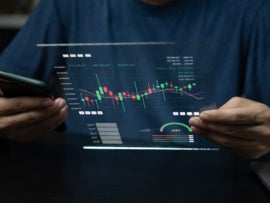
[
  {"x": 6, "y": 36},
  {"x": 55, "y": 168}
]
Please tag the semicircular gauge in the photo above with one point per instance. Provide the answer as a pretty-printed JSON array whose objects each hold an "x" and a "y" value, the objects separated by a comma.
[{"x": 163, "y": 127}]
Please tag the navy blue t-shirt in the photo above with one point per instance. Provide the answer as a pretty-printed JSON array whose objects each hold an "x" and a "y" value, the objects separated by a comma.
[{"x": 228, "y": 41}]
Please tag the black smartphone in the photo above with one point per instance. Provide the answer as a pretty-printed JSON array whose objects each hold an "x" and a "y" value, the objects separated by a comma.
[{"x": 13, "y": 85}]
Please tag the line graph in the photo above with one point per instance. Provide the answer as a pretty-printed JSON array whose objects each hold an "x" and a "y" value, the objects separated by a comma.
[{"x": 95, "y": 97}]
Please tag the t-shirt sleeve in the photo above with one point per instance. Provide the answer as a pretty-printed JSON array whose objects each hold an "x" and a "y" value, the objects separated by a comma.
[
  {"x": 257, "y": 82},
  {"x": 22, "y": 55}
]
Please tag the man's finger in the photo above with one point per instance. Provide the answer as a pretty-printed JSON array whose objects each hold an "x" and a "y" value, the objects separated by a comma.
[
  {"x": 239, "y": 131},
  {"x": 28, "y": 133},
  {"x": 237, "y": 102},
  {"x": 238, "y": 116},
  {"x": 31, "y": 117},
  {"x": 244, "y": 147},
  {"x": 23, "y": 104}
]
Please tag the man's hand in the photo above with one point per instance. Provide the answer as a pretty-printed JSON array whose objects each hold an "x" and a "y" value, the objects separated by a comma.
[
  {"x": 24, "y": 118},
  {"x": 241, "y": 125}
]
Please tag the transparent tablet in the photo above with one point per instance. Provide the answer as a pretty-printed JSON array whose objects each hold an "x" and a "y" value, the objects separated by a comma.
[{"x": 134, "y": 95}]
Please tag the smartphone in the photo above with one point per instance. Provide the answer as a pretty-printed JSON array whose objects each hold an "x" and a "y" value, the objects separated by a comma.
[{"x": 13, "y": 85}]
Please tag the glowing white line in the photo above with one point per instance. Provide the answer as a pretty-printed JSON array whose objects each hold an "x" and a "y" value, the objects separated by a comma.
[
  {"x": 104, "y": 44},
  {"x": 148, "y": 148}
]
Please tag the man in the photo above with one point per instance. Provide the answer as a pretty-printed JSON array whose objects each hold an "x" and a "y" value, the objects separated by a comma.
[{"x": 238, "y": 60}]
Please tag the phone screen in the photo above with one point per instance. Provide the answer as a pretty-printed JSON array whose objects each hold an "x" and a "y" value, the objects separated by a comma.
[{"x": 13, "y": 85}]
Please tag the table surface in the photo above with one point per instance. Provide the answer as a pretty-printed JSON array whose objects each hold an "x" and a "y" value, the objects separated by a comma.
[{"x": 54, "y": 168}]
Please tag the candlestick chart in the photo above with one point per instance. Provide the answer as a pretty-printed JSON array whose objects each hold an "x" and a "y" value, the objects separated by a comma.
[{"x": 94, "y": 99}]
